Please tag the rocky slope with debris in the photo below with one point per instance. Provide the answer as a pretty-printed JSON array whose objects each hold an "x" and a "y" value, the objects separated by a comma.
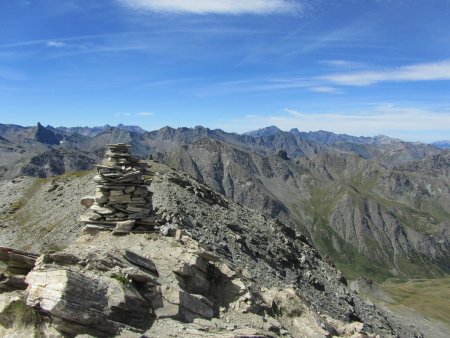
[{"x": 211, "y": 268}]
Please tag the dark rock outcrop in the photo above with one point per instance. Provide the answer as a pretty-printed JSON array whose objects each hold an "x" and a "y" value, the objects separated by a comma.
[{"x": 45, "y": 135}]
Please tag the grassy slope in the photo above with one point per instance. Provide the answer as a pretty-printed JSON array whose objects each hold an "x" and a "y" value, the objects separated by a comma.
[
  {"x": 323, "y": 201},
  {"x": 429, "y": 297}
]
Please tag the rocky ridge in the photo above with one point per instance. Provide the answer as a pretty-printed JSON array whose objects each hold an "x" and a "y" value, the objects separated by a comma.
[{"x": 212, "y": 268}]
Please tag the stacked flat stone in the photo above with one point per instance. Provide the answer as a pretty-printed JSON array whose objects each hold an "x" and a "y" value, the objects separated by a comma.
[{"x": 121, "y": 192}]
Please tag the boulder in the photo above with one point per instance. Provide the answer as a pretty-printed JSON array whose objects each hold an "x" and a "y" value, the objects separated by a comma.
[
  {"x": 79, "y": 303},
  {"x": 193, "y": 306},
  {"x": 139, "y": 261},
  {"x": 88, "y": 201},
  {"x": 124, "y": 227},
  {"x": 101, "y": 197},
  {"x": 89, "y": 216},
  {"x": 168, "y": 229},
  {"x": 102, "y": 210}
]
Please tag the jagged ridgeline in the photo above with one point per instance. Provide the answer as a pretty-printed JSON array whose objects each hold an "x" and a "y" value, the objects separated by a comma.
[{"x": 203, "y": 266}]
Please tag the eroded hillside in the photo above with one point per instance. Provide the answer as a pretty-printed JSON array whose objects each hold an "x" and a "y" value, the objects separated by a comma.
[{"x": 373, "y": 220}]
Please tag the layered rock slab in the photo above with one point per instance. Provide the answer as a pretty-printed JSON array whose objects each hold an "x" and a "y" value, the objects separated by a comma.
[{"x": 101, "y": 287}]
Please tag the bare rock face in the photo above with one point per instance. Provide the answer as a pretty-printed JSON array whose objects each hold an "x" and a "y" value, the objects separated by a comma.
[
  {"x": 45, "y": 135},
  {"x": 100, "y": 288},
  {"x": 85, "y": 300}
]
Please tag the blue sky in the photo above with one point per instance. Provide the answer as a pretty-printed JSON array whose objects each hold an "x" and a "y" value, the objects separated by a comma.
[{"x": 363, "y": 67}]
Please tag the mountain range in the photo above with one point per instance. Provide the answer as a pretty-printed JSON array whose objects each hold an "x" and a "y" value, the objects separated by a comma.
[
  {"x": 380, "y": 207},
  {"x": 442, "y": 144}
]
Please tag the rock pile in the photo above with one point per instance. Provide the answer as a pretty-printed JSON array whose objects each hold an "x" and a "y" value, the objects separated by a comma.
[{"x": 122, "y": 201}]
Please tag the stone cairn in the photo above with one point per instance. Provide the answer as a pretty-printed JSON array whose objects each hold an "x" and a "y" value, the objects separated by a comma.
[{"x": 122, "y": 202}]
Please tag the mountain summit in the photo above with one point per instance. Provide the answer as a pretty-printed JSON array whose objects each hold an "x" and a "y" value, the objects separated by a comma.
[
  {"x": 45, "y": 135},
  {"x": 267, "y": 131}
]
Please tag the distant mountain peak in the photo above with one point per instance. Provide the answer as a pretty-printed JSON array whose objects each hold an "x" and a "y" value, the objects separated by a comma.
[
  {"x": 267, "y": 131},
  {"x": 45, "y": 135},
  {"x": 135, "y": 129},
  {"x": 443, "y": 144},
  {"x": 383, "y": 139}
]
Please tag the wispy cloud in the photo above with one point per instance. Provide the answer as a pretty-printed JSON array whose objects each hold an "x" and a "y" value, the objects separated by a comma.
[
  {"x": 327, "y": 84},
  {"x": 58, "y": 40},
  {"x": 55, "y": 44},
  {"x": 256, "y": 85},
  {"x": 169, "y": 82},
  {"x": 353, "y": 35},
  {"x": 94, "y": 49},
  {"x": 416, "y": 72},
  {"x": 343, "y": 64},
  {"x": 389, "y": 119},
  {"x": 216, "y": 7},
  {"x": 140, "y": 114},
  {"x": 325, "y": 89}
]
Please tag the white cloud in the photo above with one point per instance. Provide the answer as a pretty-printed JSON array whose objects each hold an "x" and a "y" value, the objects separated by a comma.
[
  {"x": 417, "y": 72},
  {"x": 55, "y": 44},
  {"x": 396, "y": 121},
  {"x": 343, "y": 64},
  {"x": 325, "y": 89},
  {"x": 381, "y": 119},
  {"x": 144, "y": 113},
  {"x": 215, "y": 6}
]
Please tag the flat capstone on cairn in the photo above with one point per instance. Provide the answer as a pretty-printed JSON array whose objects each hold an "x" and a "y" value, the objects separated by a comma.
[{"x": 123, "y": 202}]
